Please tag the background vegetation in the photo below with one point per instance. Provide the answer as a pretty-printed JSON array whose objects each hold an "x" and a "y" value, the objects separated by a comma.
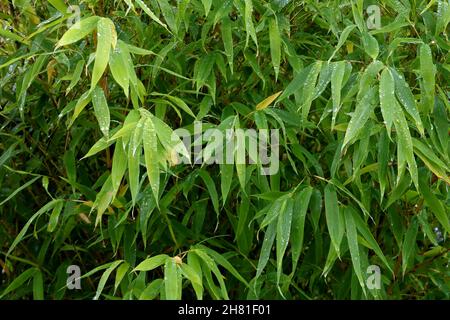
[{"x": 87, "y": 174}]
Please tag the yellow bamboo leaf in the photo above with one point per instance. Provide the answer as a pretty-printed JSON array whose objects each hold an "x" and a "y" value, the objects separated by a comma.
[{"x": 267, "y": 101}]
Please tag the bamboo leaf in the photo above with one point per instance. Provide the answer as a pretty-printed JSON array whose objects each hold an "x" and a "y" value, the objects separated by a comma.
[
  {"x": 78, "y": 31},
  {"x": 101, "y": 110}
]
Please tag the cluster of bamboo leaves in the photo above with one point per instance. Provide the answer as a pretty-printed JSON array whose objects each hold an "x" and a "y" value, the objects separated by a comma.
[{"x": 91, "y": 94}]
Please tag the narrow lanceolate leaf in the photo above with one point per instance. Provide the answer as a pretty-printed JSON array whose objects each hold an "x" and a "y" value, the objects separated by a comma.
[
  {"x": 283, "y": 233},
  {"x": 211, "y": 190},
  {"x": 152, "y": 263},
  {"x": 75, "y": 76},
  {"x": 101, "y": 110},
  {"x": 275, "y": 45},
  {"x": 342, "y": 39},
  {"x": 428, "y": 73},
  {"x": 436, "y": 205},
  {"x": 367, "y": 235},
  {"x": 352, "y": 238},
  {"x": 227, "y": 37},
  {"x": 337, "y": 76},
  {"x": 78, "y": 31},
  {"x": 50, "y": 205},
  {"x": 38, "y": 286},
  {"x": 105, "y": 40},
  {"x": 119, "y": 164},
  {"x": 118, "y": 66},
  {"x": 301, "y": 203},
  {"x": 196, "y": 279},
  {"x": 267, "y": 101},
  {"x": 387, "y": 98},
  {"x": 370, "y": 45},
  {"x": 20, "y": 280},
  {"x": 172, "y": 280},
  {"x": 105, "y": 277},
  {"x": 335, "y": 222},
  {"x": 226, "y": 178},
  {"x": 409, "y": 244},
  {"x": 248, "y": 21},
  {"x": 150, "y": 13},
  {"x": 54, "y": 217},
  {"x": 406, "y": 98},
  {"x": 309, "y": 88},
  {"x": 405, "y": 147},
  {"x": 134, "y": 159},
  {"x": 266, "y": 248},
  {"x": 296, "y": 83},
  {"x": 151, "y": 156},
  {"x": 360, "y": 116}
]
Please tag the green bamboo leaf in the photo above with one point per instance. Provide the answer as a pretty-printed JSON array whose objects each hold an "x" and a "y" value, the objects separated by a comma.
[
  {"x": 151, "y": 155},
  {"x": 207, "y": 5},
  {"x": 150, "y": 13},
  {"x": 405, "y": 146},
  {"x": 342, "y": 39},
  {"x": 172, "y": 280},
  {"x": 221, "y": 260},
  {"x": 78, "y": 31},
  {"x": 274, "y": 210},
  {"x": 370, "y": 45},
  {"x": 101, "y": 110},
  {"x": 409, "y": 244},
  {"x": 211, "y": 190},
  {"x": 134, "y": 158},
  {"x": 54, "y": 217},
  {"x": 100, "y": 145},
  {"x": 180, "y": 103},
  {"x": 152, "y": 263},
  {"x": 275, "y": 45},
  {"x": 20, "y": 280},
  {"x": 195, "y": 278},
  {"x": 81, "y": 104},
  {"x": 121, "y": 272},
  {"x": 362, "y": 112},
  {"x": 105, "y": 40},
  {"x": 118, "y": 66},
  {"x": 169, "y": 139},
  {"x": 119, "y": 164},
  {"x": 353, "y": 246},
  {"x": 296, "y": 83},
  {"x": 335, "y": 221},
  {"x": 387, "y": 99},
  {"x": 38, "y": 286},
  {"x": 50, "y": 205},
  {"x": 301, "y": 203},
  {"x": 266, "y": 248},
  {"x": 365, "y": 232},
  {"x": 436, "y": 206},
  {"x": 25, "y": 185},
  {"x": 105, "y": 277},
  {"x": 168, "y": 13},
  {"x": 428, "y": 73},
  {"x": 248, "y": 21},
  {"x": 226, "y": 178},
  {"x": 337, "y": 77},
  {"x": 283, "y": 234},
  {"x": 76, "y": 75},
  {"x": 227, "y": 37},
  {"x": 406, "y": 98},
  {"x": 152, "y": 290},
  {"x": 309, "y": 88}
]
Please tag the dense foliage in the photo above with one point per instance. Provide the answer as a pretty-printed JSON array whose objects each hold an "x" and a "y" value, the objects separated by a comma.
[{"x": 92, "y": 91}]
